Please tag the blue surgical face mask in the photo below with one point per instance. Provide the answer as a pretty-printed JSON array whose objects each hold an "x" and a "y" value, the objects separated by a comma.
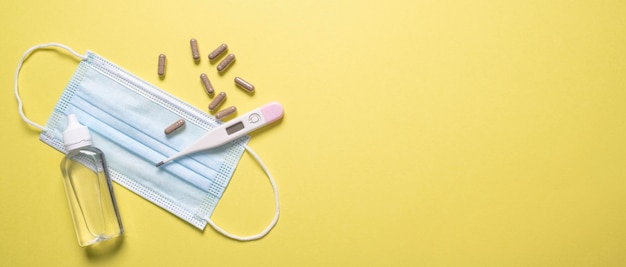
[{"x": 126, "y": 117}]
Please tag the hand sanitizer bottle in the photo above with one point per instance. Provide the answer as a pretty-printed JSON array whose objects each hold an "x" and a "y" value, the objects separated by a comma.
[{"x": 88, "y": 187}]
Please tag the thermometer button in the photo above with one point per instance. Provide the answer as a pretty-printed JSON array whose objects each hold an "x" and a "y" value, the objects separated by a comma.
[{"x": 254, "y": 118}]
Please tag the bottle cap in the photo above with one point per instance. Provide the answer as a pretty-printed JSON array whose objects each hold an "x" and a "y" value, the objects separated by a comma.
[{"x": 75, "y": 135}]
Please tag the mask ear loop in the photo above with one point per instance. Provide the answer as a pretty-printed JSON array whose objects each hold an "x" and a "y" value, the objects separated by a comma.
[
  {"x": 20, "y": 108},
  {"x": 276, "y": 213}
]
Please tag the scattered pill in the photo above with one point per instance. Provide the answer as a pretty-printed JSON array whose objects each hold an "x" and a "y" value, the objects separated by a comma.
[
  {"x": 225, "y": 112},
  {"x": 226, "y": 63},
  {"x": 207, "y": 84},
  {"x": 175, "y": 126},
  {"x": 217, "y": 101},
  {"x": 218, "y": 51},
  {"x": 162, "y": 63},
  {"x": 194, "y": 49},
  {"x": 243, "y": 84}
]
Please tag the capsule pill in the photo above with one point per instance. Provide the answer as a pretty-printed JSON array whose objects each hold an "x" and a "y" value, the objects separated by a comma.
[
  {"x": 218, "y": 51},
  {"x": 175, "y": 126},
  {"x": 226, "y": 63},
  {"x": 243, "y": 84},
  {"x": 194, "y": 49},
  {"x": 225, "y": 112},
  {"x": 217, "y": 101},
  {"x": 162, "y": 63},
  {"x": 207, "y": 84}
]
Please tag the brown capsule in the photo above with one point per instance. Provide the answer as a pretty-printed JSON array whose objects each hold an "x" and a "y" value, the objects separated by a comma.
[
  {"x": 162, "y": 63},
  {"x": 218, "y": 51},
  {"x": 243, "y": 84},
  {"x": 225, "y": 112},
  {"x": 226, "y": 63},
  {"x": 194, "y": 49},
  {"x": 217, "y": 101},
  {"x": 175, "y": 126},
  {"x": 207, "y": 84}
]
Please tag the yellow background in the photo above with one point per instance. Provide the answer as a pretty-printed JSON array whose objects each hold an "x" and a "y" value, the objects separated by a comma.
[{"x": 431, "y": 133}]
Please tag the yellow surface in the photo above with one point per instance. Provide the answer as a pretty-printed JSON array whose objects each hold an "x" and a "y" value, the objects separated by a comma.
[{"x": 431, "y": 133}]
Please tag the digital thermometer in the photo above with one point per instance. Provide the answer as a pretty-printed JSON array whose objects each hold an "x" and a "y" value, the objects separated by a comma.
[{"x": 232, "y": 130}]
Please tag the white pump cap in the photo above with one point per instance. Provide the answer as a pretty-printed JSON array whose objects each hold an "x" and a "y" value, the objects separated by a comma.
[{"x": 75, "y": 135}]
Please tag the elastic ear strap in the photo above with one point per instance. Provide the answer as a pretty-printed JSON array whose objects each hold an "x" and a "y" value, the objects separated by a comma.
[
  {"x": 20, "y": 108},
  {"x": 276, "y": 214}
]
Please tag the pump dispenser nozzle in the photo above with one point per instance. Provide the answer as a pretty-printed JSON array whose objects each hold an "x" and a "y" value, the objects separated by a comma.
[{"x": 75, "y": 135}]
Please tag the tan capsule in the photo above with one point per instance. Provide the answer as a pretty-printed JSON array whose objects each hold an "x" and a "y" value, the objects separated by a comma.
[
  {"x": 217, "y": 101},
  {"x": 225, "y": 112},
  {"x": 194, "y": 49},
  {"x": 226, "y": 63},
  {"x": 207, "y": 84},
  {"x": 162, "y": 63},
  {"x": 218, "y": 51},
  {"x": 175, "y": 126},
  {"x": 243, "y": 84}
]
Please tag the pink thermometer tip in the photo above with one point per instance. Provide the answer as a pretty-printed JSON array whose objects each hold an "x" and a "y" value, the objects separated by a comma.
[{"x": 272, "y": 112}]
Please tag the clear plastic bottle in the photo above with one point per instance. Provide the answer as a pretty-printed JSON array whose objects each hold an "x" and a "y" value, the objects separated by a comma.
[{"x": 88, "y": 187}]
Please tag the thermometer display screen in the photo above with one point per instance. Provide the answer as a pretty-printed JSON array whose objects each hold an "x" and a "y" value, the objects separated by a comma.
[{"x": 234, "y": 128}]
